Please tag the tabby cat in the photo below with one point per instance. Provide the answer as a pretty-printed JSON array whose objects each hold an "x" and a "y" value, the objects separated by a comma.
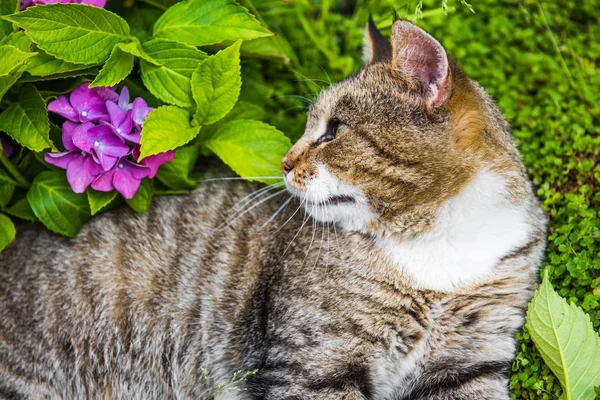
[{"x": 406, "y": 277}]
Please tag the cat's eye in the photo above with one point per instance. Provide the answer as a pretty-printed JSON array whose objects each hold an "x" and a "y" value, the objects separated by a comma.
[{"x": 334, "y": 128}]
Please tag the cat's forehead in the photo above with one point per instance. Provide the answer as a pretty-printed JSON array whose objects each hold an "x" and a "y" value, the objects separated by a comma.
[{"x": 372, "y": 89}]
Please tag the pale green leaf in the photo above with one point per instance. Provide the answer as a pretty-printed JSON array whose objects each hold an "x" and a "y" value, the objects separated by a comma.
[
  {"x": 11, "y": 58},
  {"x": 45, "y": 65},
  {"x": 565, "y": 337},
  {"x": 7, "y": 7},
  {"x": 201, "y": 22},
  {"x": 76, "y": 33},
  {"x": 56, "y": 205},
  {"x": 17, "y": 39},
  {"x": 99, "y": 200},
  {"x": 164, "y": 129},
  {"x": 216, "y": 85},
  {"x": 176, "y": 173},
  {"x": 241, "y": 110},
  {"x": 170, "y": 82},
  {"x": 250, "y": 148},
  {"x": 26, "y": 121},
  {"x": 117, "y": 67},
  {"x": 140, "y": 203},
  {"x": 6, "y": 191},
  {"x": 22, "y": 209},
  {"x": 7, "y": 231}
]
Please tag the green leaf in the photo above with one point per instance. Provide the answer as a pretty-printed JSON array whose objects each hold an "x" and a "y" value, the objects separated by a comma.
[
  {"x": 176, "y": 174},
  {"x": 117, "y": 67},
  {"x": 76, "y": 33},
  {"x": 99, "y": 200},
  {"x": 241, "y": 110},
  {"x": 17, "y": 39},
  {"x": 170, "y": 82},
  {"x": 140, "y": 203},
  {"x": 7, "y": 7},
  {"x": 6, "y": 192},
  {"x": 201, "y": 22},
  {"x": 166, "y": 128},
  {"x": 44, "y": 64},
  {"x": 252, "y": 149},
  {"x": 56, "y": 205},
  {"x": 12, "y": 58},
  {"x": 26, "y": 121},
  {"x": 565, "y": 337},
  {"x": 7, "y": 231},
  {"x": 22, "y": 209},
  {"x": 216, "y": 85}
]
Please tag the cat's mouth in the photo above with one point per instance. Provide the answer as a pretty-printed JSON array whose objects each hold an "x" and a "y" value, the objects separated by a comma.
[{"x": 335, "y": 201}]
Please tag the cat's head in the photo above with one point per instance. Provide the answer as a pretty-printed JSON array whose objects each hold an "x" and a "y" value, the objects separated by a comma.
[{"x": 384, "y": 149}]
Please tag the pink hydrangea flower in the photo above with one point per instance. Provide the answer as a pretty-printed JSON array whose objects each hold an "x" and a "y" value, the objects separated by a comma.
[{"x": 101, "y": 135}]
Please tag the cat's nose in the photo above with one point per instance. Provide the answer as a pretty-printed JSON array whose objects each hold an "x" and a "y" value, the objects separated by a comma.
[{"x": 286, "y": 166}]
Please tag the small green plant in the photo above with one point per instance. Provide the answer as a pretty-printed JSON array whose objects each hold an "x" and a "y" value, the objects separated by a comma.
[{"x": 232, "y": 384}]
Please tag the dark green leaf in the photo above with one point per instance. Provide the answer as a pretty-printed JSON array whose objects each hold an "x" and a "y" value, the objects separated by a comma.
[
  {"x": 140, "y": 203},
  {"x": 22, "y": 209},
  {"x": 7, "y": 231},
  {"x": 176, "y": 174}
]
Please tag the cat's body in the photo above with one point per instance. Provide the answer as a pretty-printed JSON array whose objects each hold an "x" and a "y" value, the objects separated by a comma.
[{"x": 359, "y": 306}]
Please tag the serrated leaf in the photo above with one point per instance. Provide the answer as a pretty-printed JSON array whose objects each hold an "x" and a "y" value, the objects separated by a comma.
[
  {"x": 17, "y": 39},
  {"x": 76, "y": 33},
  {"x": 565, "y": 337},
  {"x": 7, "y": 7},
  {"x": 99, "y": 200},
  {"x": 7, "y": 231},
  {"x": 45, "y": 65},
  {"x": 12, "y": 58},
  {"x": 200, "y": 22},
  {"x": 252, "y": 149},
  {"x": 22, "y": 209},
  {"x": 140, "y": 203},
  {"x": 6, "y": 192},
  {"x": 170, "y": 82},
  {"x": 164, "y": 129},
  {"x": 216, "y": 85},
  {"x": 241, "y": 110},
  {"x": 176, "y": 173},
  {"x": 26, "y": 121},
  {"x": 56, "y": 205},
  {"x": 117, "y": 67}
]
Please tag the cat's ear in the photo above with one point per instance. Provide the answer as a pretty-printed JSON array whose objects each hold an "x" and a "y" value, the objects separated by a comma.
[
  {"x": 422, "y": 59},
  {"x": 376, "y": 47}
]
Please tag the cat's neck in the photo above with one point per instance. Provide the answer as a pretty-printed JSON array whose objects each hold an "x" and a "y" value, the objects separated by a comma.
[{"x": 471, "y": 234}]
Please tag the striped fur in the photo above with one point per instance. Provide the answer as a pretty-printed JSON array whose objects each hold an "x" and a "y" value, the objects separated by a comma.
[{"x": 136, "y": 305}]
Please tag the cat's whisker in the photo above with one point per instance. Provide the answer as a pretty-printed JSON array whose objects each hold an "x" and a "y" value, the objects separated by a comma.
[
  {"x": 238, "y": 178},
  {"x": 272, "y": 217},
  {"x": 226, "y": 224},
  {"x": 290, "y": 218},
  {"x": 294, "y": 238},
  {"x": 246, "y": 199}
]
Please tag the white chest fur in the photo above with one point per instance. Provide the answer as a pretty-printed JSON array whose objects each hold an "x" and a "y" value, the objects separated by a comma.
[{"x": 473, "y": 231}]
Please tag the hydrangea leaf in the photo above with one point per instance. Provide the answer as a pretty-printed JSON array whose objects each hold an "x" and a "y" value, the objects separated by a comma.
[
  {"x": 565, "y": 337},
  {"x": 164, "y": 129},
  {"x": 7, "y": 231},
  {"x": 12, "y": 58},
  {"x": 18, "y": 39},
  {"x": 176, "y": 173},
  {"x": 117, "y": 67},
  {"x": 140, "y": 203},
  {"x": 99, "y": 200},
  {"x": 22, "y": 209},
  {"x": 252, "y": 149},
  {"x": 56, "y": 205},
  {"x": 201, "y": 22},
  {"x": 170, "y": 82},
  {"x": 241, "y": 110},
  {"x": 7, "y": 7},
  {"x": 75, "y": 33},
  {"x": 44, "y": 64},
  {"x": 216, "y": 85},
  {"x": 26, "y": 121},
  {"x": 6, "y": 191}
]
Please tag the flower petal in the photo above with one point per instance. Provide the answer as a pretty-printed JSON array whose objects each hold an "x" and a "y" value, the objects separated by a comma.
[
  {"x": 140, "y": 111},
  {"x": 81, "y": 172},
  {"x": 97, "y": 3},
  {"x": 128, "y": 177},
  {"x": 107, "y": 93},
  {"x": 89, "y": 105},
  {"x": 67, "y": 134},
  {"x": 8, "y": 147},
  {"x": 104, "y": 182},
  {"x": 135, "y": 170},
  {"x": 81, "y": 137},
  {"x": 155, "y": 161},
  {"x": 124, "y": 99},
  {"x": 62, "y": 107},
  {"x": 105, "y": 141},
  {"x": 61, "y": 160}
]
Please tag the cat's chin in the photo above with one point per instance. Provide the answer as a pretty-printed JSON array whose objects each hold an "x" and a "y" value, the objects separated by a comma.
[{"x": 344, "y": 211}]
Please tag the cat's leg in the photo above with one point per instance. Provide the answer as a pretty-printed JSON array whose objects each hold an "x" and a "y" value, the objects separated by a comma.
[{"x": 489, "y": 387}]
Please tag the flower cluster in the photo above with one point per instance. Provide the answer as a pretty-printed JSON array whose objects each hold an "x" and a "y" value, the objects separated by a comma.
[
  {"x": 102, "y": 136},
  {"x": 27, "y": 3}
]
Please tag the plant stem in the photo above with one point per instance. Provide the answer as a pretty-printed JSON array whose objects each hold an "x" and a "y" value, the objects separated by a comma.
[{"x": 20, "y": 179}]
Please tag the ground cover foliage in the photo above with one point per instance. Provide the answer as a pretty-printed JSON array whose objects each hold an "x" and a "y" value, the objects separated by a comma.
[{"x": 537, "y": 58}]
